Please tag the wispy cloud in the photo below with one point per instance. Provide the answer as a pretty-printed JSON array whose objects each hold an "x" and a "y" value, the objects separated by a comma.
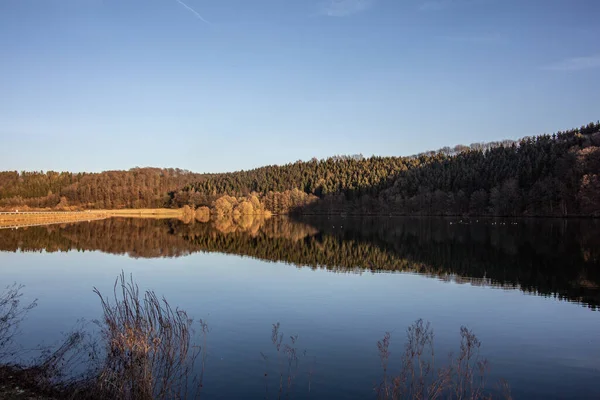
[
  {"x": 196, "y": 13},
  {"x": 575, "y": 64},
  {"x": 343, "y": 8}
]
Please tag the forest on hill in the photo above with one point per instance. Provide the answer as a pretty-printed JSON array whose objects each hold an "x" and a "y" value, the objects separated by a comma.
[
  {"x": 545, "y": 175},
  {"x": 135, "y": 188}
]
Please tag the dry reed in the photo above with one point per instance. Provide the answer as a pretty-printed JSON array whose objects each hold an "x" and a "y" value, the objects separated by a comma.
[
  {"x": 287, "y": 360},
  {"x": 12, "y": 313},
  {"x": 462, "y": 378},
  {"x": 149, "y": 349}
]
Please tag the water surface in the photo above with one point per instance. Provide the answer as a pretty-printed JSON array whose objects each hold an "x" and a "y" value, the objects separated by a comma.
[{"x": 529, "y": 289}]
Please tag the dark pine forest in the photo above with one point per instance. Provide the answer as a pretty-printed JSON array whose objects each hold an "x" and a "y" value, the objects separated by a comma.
[{"x": 545, "y": 175}]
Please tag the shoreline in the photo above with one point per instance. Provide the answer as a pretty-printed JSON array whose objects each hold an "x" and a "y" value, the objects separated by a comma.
[
  {"x": 9, "y": 219},
  {"x": 46, "y": 217}
]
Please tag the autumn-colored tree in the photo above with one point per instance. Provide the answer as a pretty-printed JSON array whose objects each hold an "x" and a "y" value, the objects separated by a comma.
[
  {"x": 202, "y": 214},
  {"x": 245, "y": 208}
]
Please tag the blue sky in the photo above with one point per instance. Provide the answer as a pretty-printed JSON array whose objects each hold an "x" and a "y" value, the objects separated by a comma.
[{"x": 221, "y": 85}]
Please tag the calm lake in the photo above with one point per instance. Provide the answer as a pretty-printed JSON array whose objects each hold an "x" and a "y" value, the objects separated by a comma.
[{"x": 529, "y": 290}]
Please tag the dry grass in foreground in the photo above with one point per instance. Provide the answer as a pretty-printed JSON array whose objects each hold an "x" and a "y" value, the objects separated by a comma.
[
  {"x": 146, "y": 350},
  {"x": 463, "y": 377},
  {"x": 149, "y": 348}
]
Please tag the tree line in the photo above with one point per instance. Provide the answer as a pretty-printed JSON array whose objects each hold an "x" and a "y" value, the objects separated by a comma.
[
  {"x": 545, "y": 175},
  {"x": 135, "y": 188}
]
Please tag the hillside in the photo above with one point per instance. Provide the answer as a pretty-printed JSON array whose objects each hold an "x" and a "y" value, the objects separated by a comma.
[
  {"x": 135, "y": 188},
  {"x": 545, "y": 175}
]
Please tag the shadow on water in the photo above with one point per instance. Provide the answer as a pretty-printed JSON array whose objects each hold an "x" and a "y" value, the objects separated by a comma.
[{"x": 548, "y": 257}]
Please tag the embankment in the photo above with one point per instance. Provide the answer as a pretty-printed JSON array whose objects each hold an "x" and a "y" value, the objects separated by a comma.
[{"x": 27, "y": 218}]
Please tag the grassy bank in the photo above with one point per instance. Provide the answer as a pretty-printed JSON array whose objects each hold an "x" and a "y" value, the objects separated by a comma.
[
  {"x": 40, "y": 218},
  {"x": 50, "y": 217},
  {"x": 146, "y": 213}
]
